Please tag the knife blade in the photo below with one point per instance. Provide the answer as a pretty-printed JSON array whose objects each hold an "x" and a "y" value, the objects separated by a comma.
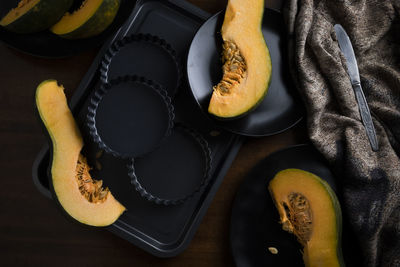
[{"x": 352, "y": 70}]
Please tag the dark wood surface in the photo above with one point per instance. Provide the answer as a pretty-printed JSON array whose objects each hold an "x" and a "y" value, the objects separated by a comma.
[{"x": 33, "y": 232}]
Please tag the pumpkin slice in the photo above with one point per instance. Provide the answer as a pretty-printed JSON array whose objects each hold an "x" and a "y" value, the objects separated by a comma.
[
  {"x": 34, "y": 15},
  {"x": 247, "y": 62},
  {"x": 92, "y": 18},
  {"x": 309, "y": 208},
  {"x": 81, "y": 196}
]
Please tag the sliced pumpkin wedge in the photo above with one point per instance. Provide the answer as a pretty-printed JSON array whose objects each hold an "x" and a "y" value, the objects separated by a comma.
[
  {"x": 82, "y": 197},
  {"x": 92, "y": 18},
  {"x": 247, "y": 64},
  {"x": 309, "y": 208},
  {"x": 34, "y": 15}
]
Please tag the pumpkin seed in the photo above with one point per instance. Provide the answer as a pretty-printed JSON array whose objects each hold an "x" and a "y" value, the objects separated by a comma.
[
  {"x": 99, "y": 154},
  {"x": 273, "y": 250}
]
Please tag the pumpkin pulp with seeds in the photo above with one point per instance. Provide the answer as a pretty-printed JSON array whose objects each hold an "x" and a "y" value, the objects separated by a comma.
[
  {"x": 82, "y": 197},
  {"x": 309, "y": 208},
  {"x": 246, "y": 61},
  {"x": 298, "y": 217},
  {"x": 91, "y": 189}
]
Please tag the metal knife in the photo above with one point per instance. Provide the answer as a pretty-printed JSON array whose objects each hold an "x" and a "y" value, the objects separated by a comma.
[{"x": 352, "y": 70}]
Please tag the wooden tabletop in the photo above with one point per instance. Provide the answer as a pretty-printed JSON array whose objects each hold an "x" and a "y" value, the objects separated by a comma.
[{"x": 33, "y": 232}]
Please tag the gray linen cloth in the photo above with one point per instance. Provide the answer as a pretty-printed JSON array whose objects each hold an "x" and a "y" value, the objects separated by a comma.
[{"x": 369, "y": 182}]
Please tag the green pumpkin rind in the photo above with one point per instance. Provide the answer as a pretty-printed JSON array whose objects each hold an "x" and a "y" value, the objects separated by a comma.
[
  {"x": 40, "y": 17},
  {"x": 339, "y": 218}
]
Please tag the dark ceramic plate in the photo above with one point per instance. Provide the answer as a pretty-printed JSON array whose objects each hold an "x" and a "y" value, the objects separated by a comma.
[
  {"x": 255, "y": 220},
  {"x": 46, "y": 44},
  {"x": 278, "y": 111}
]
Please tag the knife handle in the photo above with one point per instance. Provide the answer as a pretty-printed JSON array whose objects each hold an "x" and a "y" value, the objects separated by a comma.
[{"x": 366, "y": 116}]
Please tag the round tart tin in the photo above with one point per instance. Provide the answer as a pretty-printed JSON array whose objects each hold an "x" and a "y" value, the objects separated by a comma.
[
  {"x": 144, "y": 55},
  {"x": 191, "y": 159},
  {"x": 130, "y": 116}
]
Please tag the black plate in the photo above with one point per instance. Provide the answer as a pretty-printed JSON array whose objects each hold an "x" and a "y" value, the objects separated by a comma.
[
  {"x": 278, "y": 111},
  {"x": 49, "y": 45},
  {"x": 255, "y": 220}
]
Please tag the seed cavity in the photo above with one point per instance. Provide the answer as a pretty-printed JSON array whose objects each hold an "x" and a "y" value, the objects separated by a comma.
[
  {"x": 299, "y": 216},
  {"x": 90, "y": 188},
  {"x": 234, "y": 68},
  {"x": 81, "y": 6},
  {"x": 23, "y": 3}
]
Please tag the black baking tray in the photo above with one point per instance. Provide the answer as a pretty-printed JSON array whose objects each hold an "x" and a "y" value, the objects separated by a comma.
[{"x": 163, "y": 231}]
